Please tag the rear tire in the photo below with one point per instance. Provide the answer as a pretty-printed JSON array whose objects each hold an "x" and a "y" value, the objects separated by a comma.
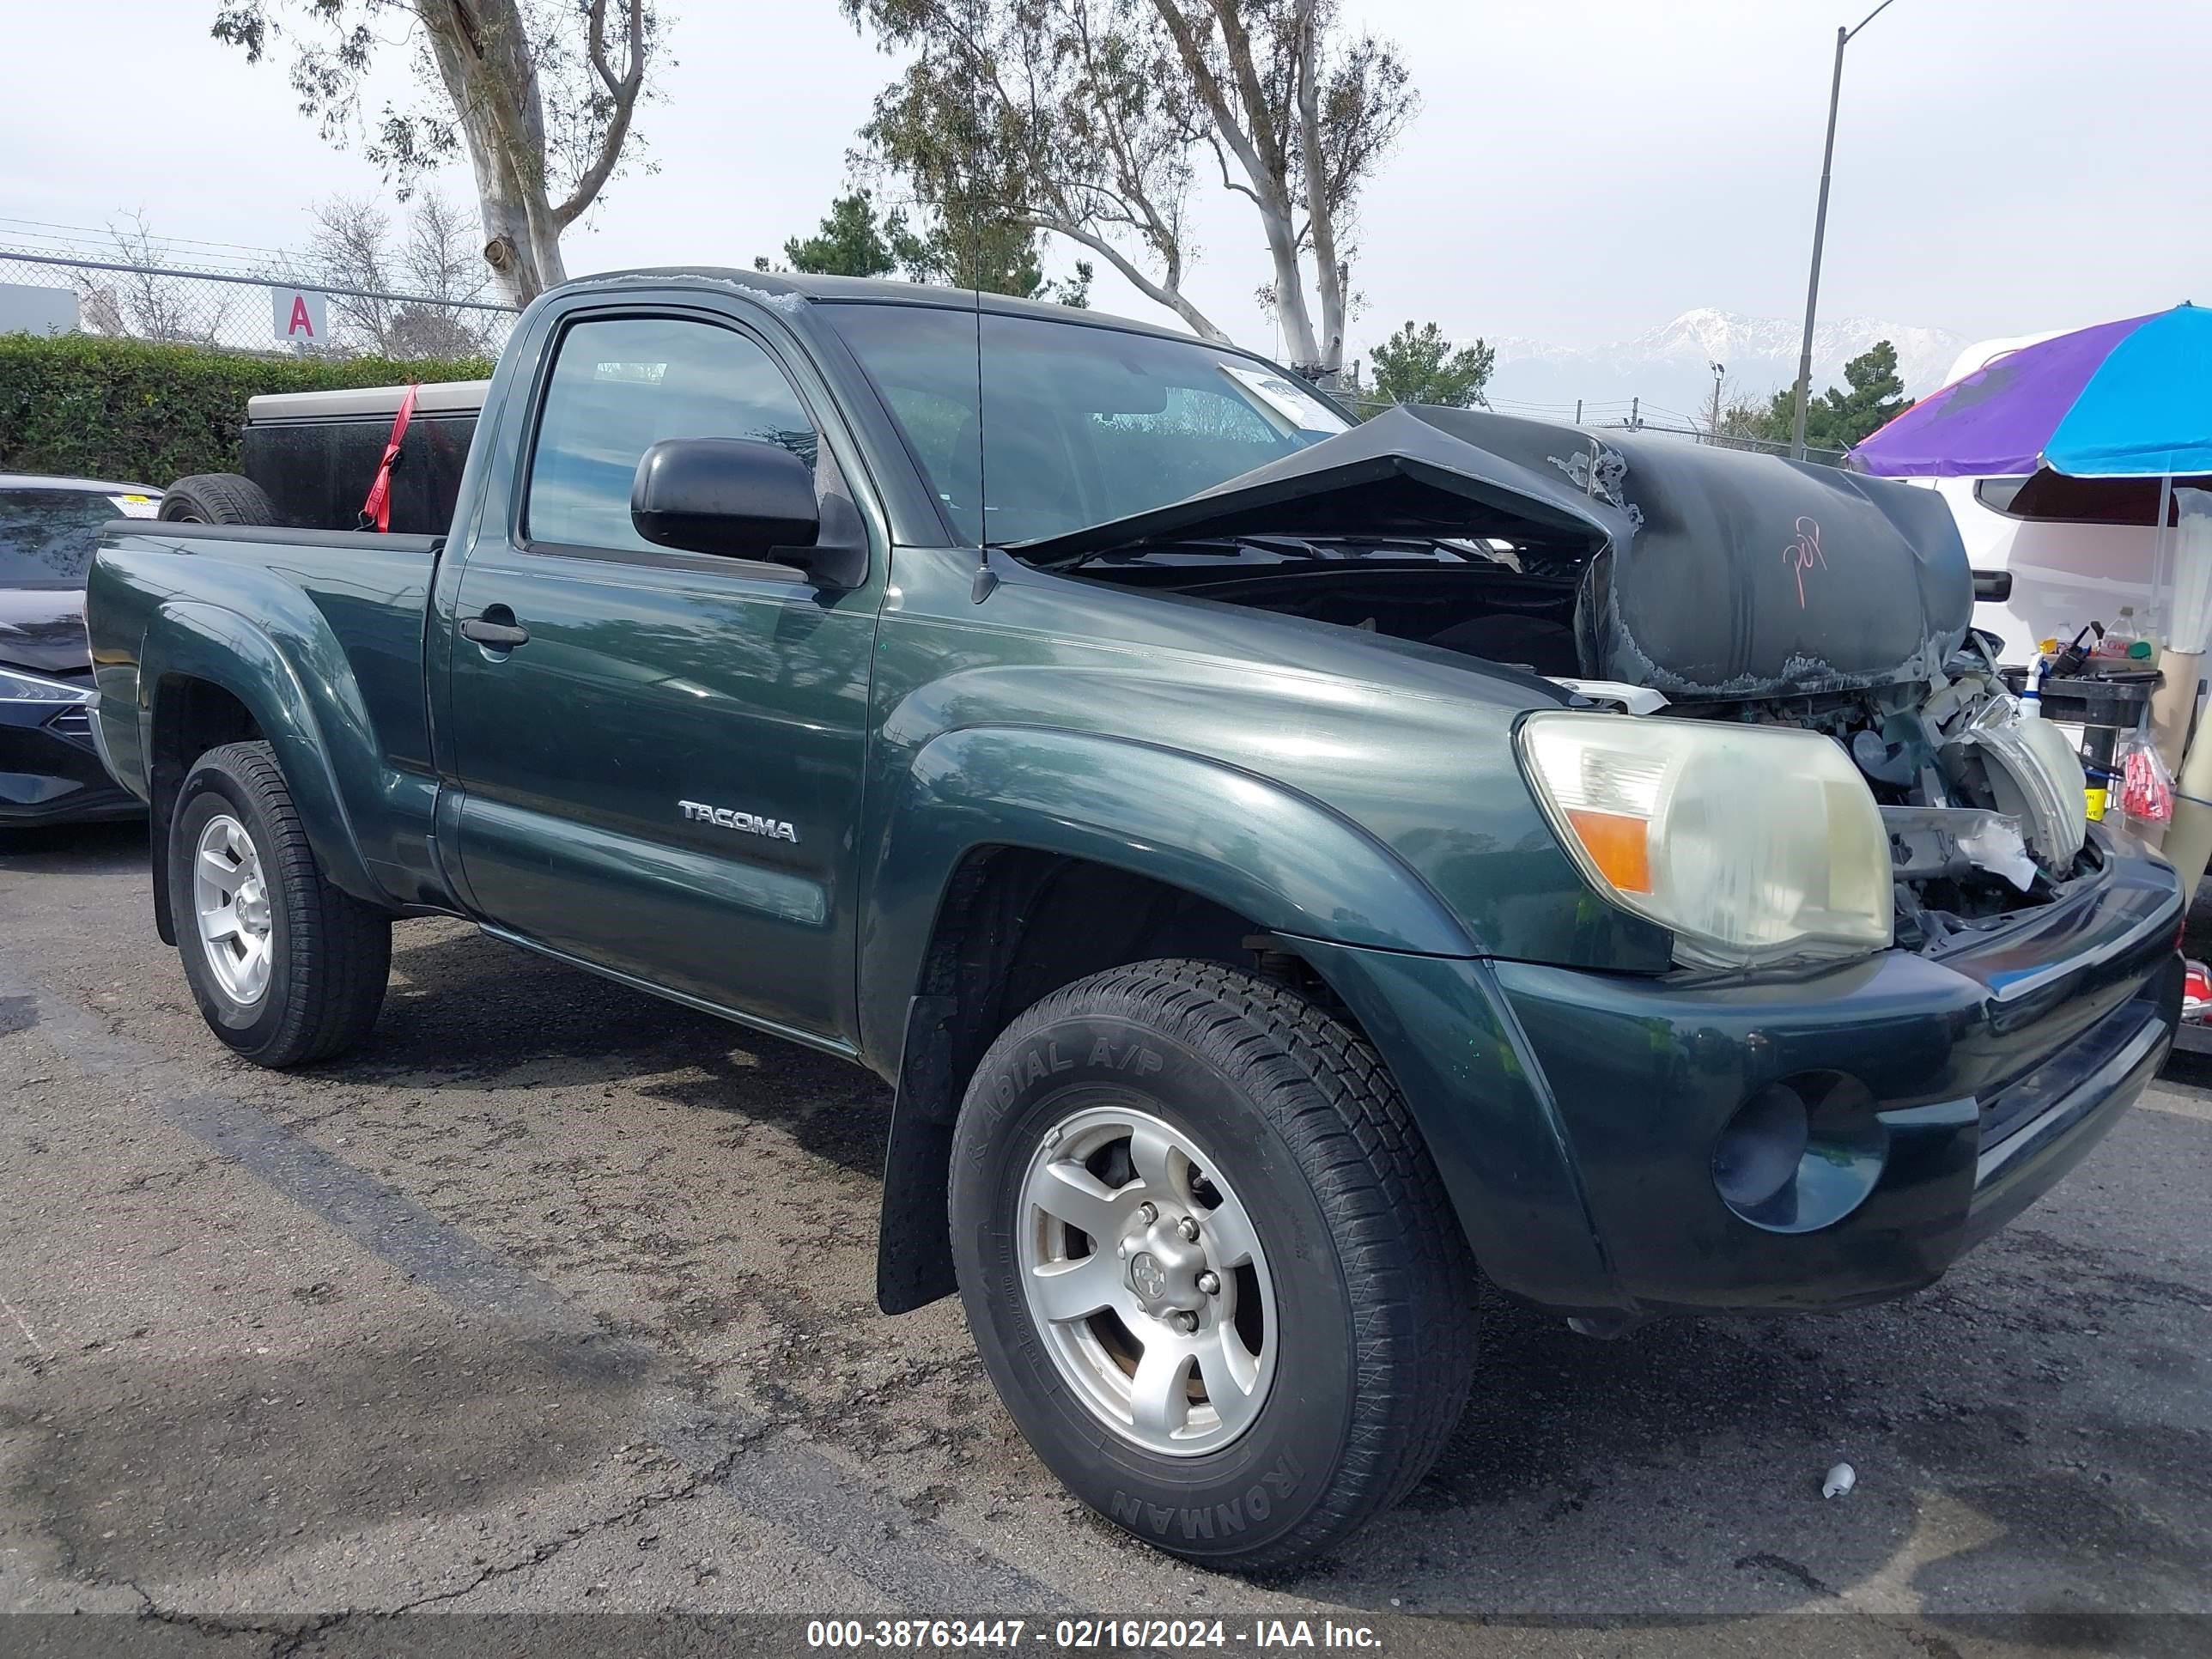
[
  {"x": 1290, "y": 1275},
  {"x": 216, "y": 498},
  {"x": 285, "y": 967}
]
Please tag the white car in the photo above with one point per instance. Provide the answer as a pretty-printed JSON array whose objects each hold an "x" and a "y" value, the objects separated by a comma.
[{"x": 2078, "y": 548}]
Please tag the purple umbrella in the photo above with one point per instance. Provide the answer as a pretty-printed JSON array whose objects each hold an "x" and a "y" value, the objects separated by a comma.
[{"x": 2130, "y": 400}]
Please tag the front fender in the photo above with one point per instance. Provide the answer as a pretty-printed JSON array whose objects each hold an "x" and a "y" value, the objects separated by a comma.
[
  {"x": 315, "y": 720},
  {"x": 1281, "y": 859}
]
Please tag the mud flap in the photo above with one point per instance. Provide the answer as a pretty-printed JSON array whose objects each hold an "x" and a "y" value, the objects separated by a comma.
[
  {"x": 165, "y": 926},
  {"x": 914, "y": 1244}
]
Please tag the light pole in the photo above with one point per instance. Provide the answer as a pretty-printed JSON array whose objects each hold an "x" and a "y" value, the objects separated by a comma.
[
  {"x": 1819, "y": 231},
  {"x": 1713, "y": 427}
]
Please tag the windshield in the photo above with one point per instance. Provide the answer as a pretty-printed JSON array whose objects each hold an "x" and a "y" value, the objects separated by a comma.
[
  {"x": 1079, "y": 424},
  {"x": 48, "y": 536}
]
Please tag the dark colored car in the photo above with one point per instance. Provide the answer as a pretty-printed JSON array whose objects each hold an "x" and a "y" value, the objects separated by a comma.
[
  {"x": 1286, "y": 865},
  {"x": 50, "y": 768}
]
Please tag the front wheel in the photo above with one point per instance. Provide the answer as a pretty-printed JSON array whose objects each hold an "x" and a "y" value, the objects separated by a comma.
[
  {"x": 286, "y": 967},
  {"x": 1209, "y": 1265}
]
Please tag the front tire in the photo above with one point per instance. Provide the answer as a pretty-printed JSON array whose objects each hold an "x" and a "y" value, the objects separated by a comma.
[
  {"x": 1208, "y": 1263},
  {"x": 285, "y": 967}
]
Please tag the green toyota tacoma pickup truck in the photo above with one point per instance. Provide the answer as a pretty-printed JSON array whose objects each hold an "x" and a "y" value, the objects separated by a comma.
[{"x": 1287, "y": 866}]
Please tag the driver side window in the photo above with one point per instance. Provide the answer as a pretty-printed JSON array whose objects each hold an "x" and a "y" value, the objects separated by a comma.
[{"x": 621, "y": 385}]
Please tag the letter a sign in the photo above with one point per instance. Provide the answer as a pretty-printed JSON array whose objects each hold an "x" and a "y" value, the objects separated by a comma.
[{"x": 298, "y": 314}]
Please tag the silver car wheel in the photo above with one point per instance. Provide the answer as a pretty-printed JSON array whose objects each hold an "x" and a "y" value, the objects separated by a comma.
[
  {"x": 231, "y": 900},
  {"x": 1142, "y": 1271}
]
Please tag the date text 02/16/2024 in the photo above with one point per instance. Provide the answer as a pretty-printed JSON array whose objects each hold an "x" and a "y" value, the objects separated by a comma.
[{"x": 1089, "y": 1634}]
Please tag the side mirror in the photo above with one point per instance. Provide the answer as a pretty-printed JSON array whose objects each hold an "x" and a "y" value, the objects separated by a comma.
[{"x": 741, "y": 497}]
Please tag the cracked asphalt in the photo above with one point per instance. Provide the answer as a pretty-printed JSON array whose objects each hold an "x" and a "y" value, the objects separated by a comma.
[{"x": 558, "y": 1299}]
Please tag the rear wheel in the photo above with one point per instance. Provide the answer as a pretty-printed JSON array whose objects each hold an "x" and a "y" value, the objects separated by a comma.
[
  {"x": 285, "y": 967},
  {"x": 216, "y": 498},
  {"x": 1208, "y": 1263}
]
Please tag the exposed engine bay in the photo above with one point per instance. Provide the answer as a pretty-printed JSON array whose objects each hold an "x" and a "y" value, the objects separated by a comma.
[
  {"x": 1672, "y": 581},
  {"x": 1984, "y": 810}
]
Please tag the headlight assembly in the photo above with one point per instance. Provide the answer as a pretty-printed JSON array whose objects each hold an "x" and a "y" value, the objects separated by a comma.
[
  {"x": 2033, "y": 774},
  {"x": 18, "y": 687},
  {"x": 1753, "y": 844}
]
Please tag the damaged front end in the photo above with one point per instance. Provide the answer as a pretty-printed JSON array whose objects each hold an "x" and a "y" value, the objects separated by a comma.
[
  {"x": 1984, "y": 810},
  {"x": 1750, "y": 589},
  {"x": 1678, "y": 583}
]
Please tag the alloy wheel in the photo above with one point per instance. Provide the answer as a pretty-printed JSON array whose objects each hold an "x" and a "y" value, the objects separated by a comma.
[
  {"x": 230, "y": 899},
  {"x": 1145, "y": 1277}
]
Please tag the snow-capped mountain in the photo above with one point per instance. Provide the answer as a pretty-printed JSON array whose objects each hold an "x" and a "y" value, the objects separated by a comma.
[{"x": 1667, "y": 367}]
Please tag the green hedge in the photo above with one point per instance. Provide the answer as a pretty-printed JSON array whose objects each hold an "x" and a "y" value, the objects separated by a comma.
[{"x": 142, "y": 413}]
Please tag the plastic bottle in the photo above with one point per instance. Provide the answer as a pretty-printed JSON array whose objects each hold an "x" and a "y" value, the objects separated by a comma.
[
  {"x": 2121, "y": 634},
  {"x": 2031, "y": 693},
  {"x": 2145, "y": 640}
]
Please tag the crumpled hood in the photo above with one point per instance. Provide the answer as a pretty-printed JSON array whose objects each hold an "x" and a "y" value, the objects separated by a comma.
[
  {"x": 1710, "y": 573},
  {"x": 42, "y": 629},
  {"x": 1402, "y": 473}
]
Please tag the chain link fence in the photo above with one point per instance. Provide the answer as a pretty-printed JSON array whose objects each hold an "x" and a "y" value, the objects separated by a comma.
[
  {"x": 273, "y": 310},
  {"x": 1726, "y": 440},
  {"x": 1622, "y": 415},
  {"x": 270, "y": 311}
]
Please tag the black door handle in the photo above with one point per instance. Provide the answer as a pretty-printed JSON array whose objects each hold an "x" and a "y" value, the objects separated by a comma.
[{"x": 496, "y": 636}]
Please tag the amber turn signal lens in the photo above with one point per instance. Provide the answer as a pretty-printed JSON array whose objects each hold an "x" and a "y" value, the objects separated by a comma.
[{"x": 1620, "y": 845}]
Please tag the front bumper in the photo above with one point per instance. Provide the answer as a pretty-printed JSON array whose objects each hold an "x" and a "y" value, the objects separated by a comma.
[
  {"x": 50, "y": 768},
  {"x": 1575, "y": 1116},
  {"x": 1991, "y": 1072}
]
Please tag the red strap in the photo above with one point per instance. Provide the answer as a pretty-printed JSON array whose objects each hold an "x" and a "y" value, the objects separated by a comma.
[{"x": 377, "y": 509}]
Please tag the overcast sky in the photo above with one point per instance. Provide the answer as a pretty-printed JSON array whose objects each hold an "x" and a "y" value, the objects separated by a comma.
[{"x": 1580, "y": 170}]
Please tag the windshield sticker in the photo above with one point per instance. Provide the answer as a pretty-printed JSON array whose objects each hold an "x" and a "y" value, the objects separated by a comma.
[
  {"x": 136, "y": 506},
  {"x": 1287, "y": 399}
]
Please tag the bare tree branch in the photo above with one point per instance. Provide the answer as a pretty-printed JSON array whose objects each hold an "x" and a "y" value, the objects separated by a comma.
[
  {"x": 1207, "y": 86},
  {"x": 623, "y": 90},
  {"x": 1044, "y": 114},
  {"x": 535, "y": 93},
  {"x": 1156, "y": 292},
  {"x": 1321, "y": 218},
  {"x": 1092, "y": 114},
  {"x": 1228, "y": 183}
]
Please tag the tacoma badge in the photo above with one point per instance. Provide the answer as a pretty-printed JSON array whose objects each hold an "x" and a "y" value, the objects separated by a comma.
[{"x": 752, "y": 822}]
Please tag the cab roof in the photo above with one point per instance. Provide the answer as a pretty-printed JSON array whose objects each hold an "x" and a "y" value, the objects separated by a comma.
[{"x": 771, "y": 286}]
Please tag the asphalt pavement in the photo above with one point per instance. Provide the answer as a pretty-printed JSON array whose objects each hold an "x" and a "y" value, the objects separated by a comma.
[{"x": 557, "y": 1300}]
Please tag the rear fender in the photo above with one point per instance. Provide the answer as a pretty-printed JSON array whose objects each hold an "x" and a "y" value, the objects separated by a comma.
[{"x": 315, "y": 720}]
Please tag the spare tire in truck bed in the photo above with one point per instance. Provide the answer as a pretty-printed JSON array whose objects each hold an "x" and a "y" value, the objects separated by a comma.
[{"x": 216, "y": 498}]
